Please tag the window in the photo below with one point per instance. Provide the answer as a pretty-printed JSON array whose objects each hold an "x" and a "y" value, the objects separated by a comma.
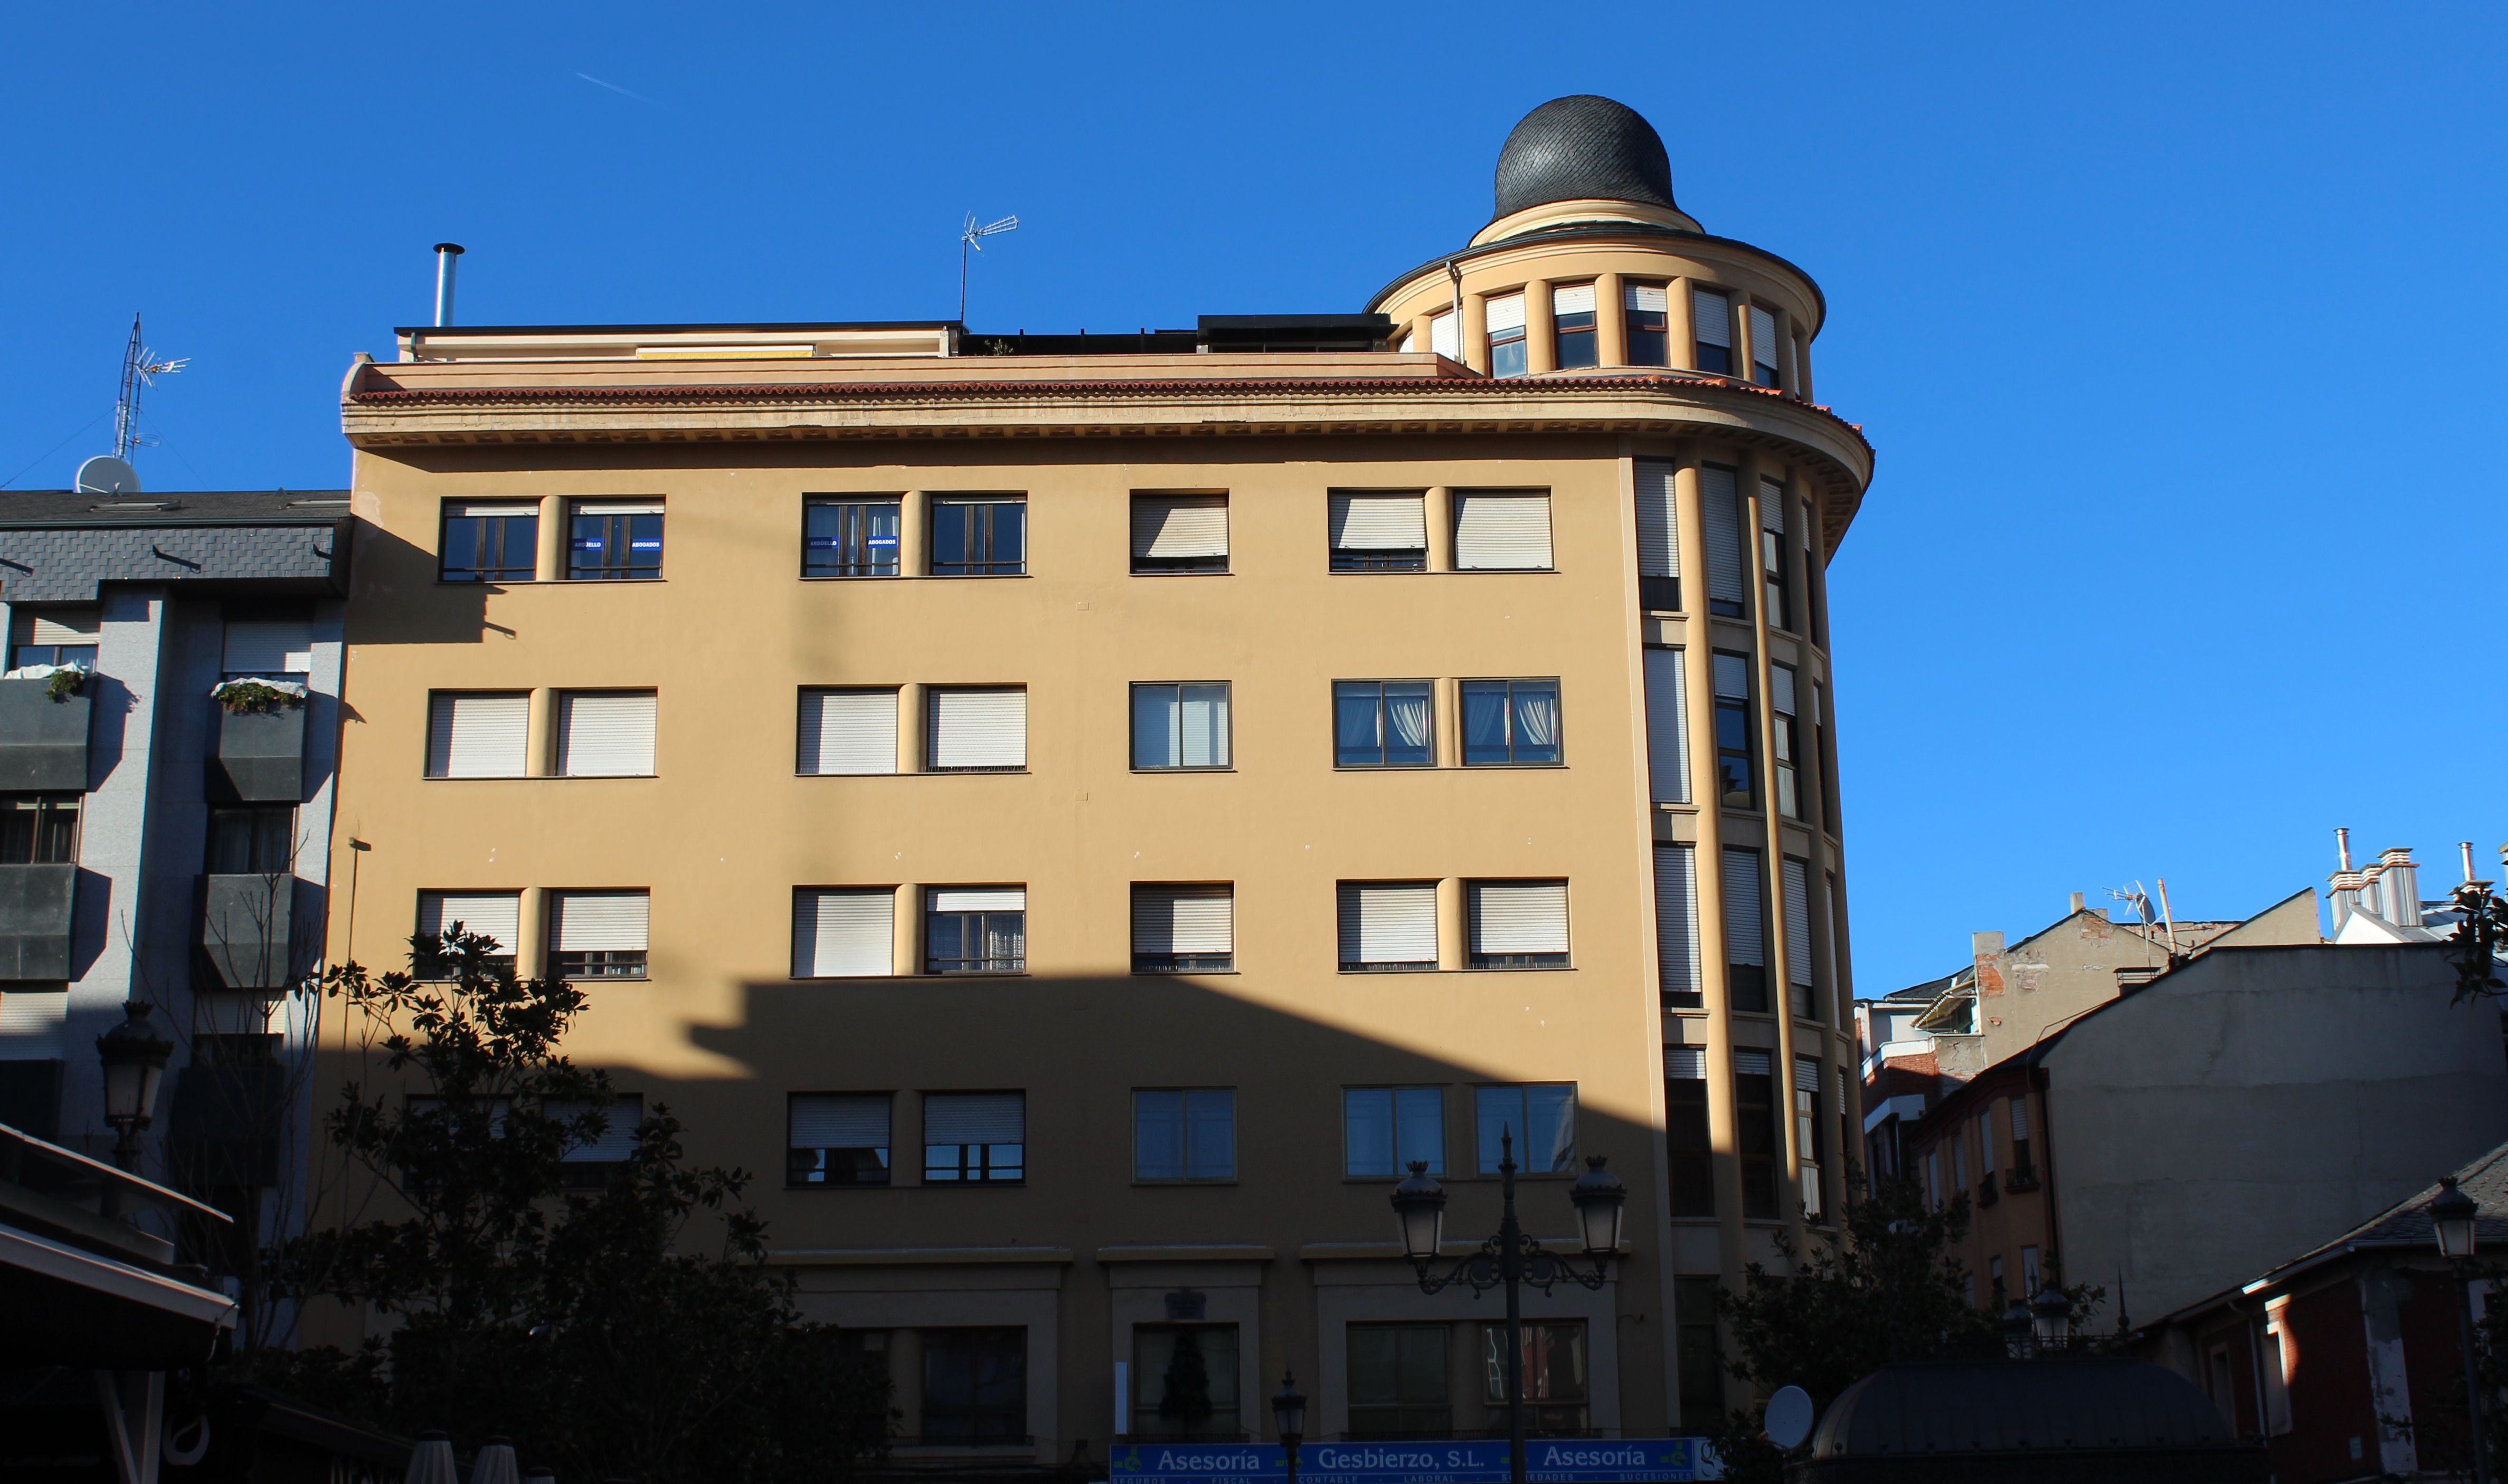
[
  {"x": 1388, "y": 925},
  {"x": 1658, "y": 536},
  {"x": 1808, "y": 1153},
  {"x": 1711, "y": 316},
  {"x": 1772, "y": 554},
  {"x": 1648, "y": 307},
  {"x": 1510, "y": 722},
  {"x": 1553, "y": 1372},
  {"x": 598, "y": 935},
  {"x": 1184, "y": 1134},
  {"x": 837, "y": 1138},
  {"x": 2275, "y": 1362},
  {"x": 1184, "y": 1381},
  {"x": 1796, "y": 875},
  {"x": 613, "y": 540},
  {"x": 1756, "y": 1130},
  {"x": 1733, "y": 761},
  {"x": 1180, "y": 726},
  {"x": 492, "y": 915},
  {"x": 844, "y": 935},
  {"x": 1781, "y": 701},
  {"x": 1985, "y": 1146},
  {"x": 1676, "y": 926},
  {"x": 1502, "y": 531},
  {"x": 1443, "y": 337},
  {"x": 591, "y": 1162},
  {"x": 2022, "y": 1169},
  {"x": 1702, "y": 1356},
  {"x": 1765, "y": 353},
  {"x": 975, "y": 930},
  {"x": 499, "y": 542},
  {"x": 1667, "y": 710},
  {"x": 1518, "y": 923},
  {"x": 1571, "y": 317},
  {"x": 1179, "y": 533},
  {"x": 1506, "y": 318},
  {"x": 1382, "y": 724},
  {"x": 1686, "y": 1132},
  {"x": 265, "y": 647},
  {"x": 1815, "y": 620},
  {"x": 1836, "y": 936},
  {"x": 1400, "y": 1381},
  {"x": 979, "y": 536},
  {"x": 55, "y": 635},
  {"x": 974, "y": 1386},
  {"x": 39, "y": 829},
  {"x": 1183, "y": 929},
  {"x": 849, "y": 538},
  {"x": 975, "y": 1138},
  {"x": 606, "y": 734},
  {"x": 1539, "y": 1117},
  {"x": 1378, "y": 532},
  {"x": 477, "y": 736},
  {"x": 1386, "y": 1129},
  {"x": 848, "y": 732},
  {"x": 1994, "y": 1282},
  {"x": 976, "y": 731},
  {"x": 2029, "y": 1270},
  {"x": 1719, "y": 502},
  {"x": 251, "y": 839},
  {"x": 1746, "y": 942}
]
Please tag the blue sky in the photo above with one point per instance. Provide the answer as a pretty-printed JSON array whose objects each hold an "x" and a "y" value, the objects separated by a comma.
[{"x": 2177, "y": 326}]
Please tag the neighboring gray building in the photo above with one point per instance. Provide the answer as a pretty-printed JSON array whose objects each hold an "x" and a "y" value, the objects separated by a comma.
[{"x": 155, "y": 845}]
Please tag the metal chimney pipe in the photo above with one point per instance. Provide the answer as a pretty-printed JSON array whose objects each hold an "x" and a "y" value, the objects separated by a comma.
[
  {"x": 2342, "y": 847},
  {"x": 445, "y": 253}
]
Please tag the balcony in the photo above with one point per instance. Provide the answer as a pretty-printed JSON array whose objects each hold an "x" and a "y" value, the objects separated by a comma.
[
  {"x": 2023, "y": 1177},
  {"x": 35, "y": 915},
  {"x": 1988, "y": 1191},
  {"x": 259, "y": 757},
  {"x": 246, "y": 922},
  {"x": 43, "y": 738}
]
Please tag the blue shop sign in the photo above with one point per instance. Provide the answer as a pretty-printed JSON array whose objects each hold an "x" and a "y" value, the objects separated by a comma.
[{"x": 1547, "y": 1461}]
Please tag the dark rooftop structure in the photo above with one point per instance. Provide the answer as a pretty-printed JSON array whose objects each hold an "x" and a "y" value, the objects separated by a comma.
[{"x": 1582, "y": 148}]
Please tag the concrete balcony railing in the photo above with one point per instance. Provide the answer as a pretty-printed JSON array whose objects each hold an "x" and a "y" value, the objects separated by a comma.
[
  {"x": 246, "y": 924},
  {"x": 36, "y": 911},
  {"x": 43, "y": 737}
]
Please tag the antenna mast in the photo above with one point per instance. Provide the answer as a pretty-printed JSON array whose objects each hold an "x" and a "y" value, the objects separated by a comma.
[
  {"x": 140, "y": 368},
  {"x": 972, "y": 235}
]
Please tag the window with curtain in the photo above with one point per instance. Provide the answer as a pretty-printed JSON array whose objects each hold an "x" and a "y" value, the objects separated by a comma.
[
  {"x": 1378, "y": 530},
  {"x": 57, "y": 634},
  {"x": 848, "y": 732},
  {"x": 613, "y": 540},
  {"x": 1184, "y": 1383},
  {"x": 1675, "y": 925},
  {"x": 975, "y": 1138},
  {"x": 837, "y": 1139},
  {"x": 979, "y": 536},
  {"x": 1510, "y": 722},
  {"x": 1518, "y": 923},
  {"x": 1179, "y": 533},
  {"x": 1540, "y": 1117},
  {"x": 40, "y": 829},
  {"x": 975, "y": 930},
  {"x": 849, "y": 537},
  {"x": 251, "y": 839},
  {"x": 1184, "y": 1134},
  {"x": 1383, "y": 724},
  {"x": 1180, "y": 725},
  {"x": 1183, "y": 930},
  {"x": 844, "y": 932},
  {"x": 1386, "y": 1129},
  {"x": 1572, "y": 319},
  {"x": 1388, "y": 925},
  {"x": 477, "y": 736},
  {"x": 1658, "y": 535}
]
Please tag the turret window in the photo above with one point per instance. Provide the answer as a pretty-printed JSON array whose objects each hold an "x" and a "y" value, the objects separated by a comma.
[
  {"x": 1571, "y": 314},
  {"x": 1765, "y": 354},
  {"x": 1710, "y": 312},
  {"x": 1648, "y": 307},
  {"x": 1506, "y": 336}
]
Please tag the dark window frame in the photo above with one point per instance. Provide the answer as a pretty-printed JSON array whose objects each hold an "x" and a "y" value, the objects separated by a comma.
[
  {"x": 983, "y": 1167},
  {"x": 1464, "y": 692},
  {"x": 856, "y": 539},
  {"x": 32, "y": 832},
  {"x": 858, "y": 1175},
  {"x": 617, "y": 529},
  {"x": 963, "y": 1412},
  {"x": 989, "y": 963},
  {"x": 1399, "y": 1417},
  {"x": 1582, "y": 327},
  {"x": 507, "y": 570},
  {"x": 1485, "y": 1156},
  {"x": 268, "y": 847},
  {"x": 1730, "y": 749},
  {"x": 1184, "y": 1138},
  {"x": 977, "y": 542},
  {"x": 1226, "y": 738},
  {"x": 1384, "y": 746},
  {"x": 1634, "y": 326}
]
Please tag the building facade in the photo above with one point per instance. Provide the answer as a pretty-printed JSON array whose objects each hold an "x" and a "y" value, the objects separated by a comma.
[{"x": 1085, "y": 813}]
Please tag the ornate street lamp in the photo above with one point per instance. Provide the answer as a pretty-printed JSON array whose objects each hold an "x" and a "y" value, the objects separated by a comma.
[
  {"x": 2452, "y": 1217},
  {"x": 2050, "y": 1315},
  {"x": 2019, "y": 1341},
  {"x": 1511, "y": 1259},
  {"x": 134, "y": 1063},
  {"x": 1289, "y": 1420}
]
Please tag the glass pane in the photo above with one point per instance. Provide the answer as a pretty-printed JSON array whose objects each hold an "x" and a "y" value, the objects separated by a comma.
[
  {"x": 1158, "y": 1135},
  {"x": 1500, "y": 1109},
  {"x": 1367, "y": 1121},
  {"x": 1407, "y": 738},
  {"x": 1550, "y": 1129},
  {"x": 1156, "y": 727},
  {"x": 1204, "y": 726},
  {"x": 1009, "y": 536},
  {"x": 950, "y": 538},
  {"x": 1484, "y": 722},
  {"x": 1420, "y": 1116},
  {"x": 462, "y": 535},
  {"x": 1536, "y": 721},
  {"x": 1210, "y": 1132},
  {"x": 1354, "y": 737}
]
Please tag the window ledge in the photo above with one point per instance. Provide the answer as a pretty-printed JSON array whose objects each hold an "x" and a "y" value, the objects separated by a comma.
[
  {"x": 1155, "y": 771},
  {"x": 1186, "y": 1183},
  {"x": 1181, "y": 572}
]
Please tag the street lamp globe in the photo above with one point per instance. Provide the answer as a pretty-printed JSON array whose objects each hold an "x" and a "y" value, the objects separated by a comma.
[
  {"x": 1289, "y": 1411},
  {"x": 134, "y": 1063},
  {"x": 1600, "y": 1202},
  {"x": 1420, "y": 1206},
  {"x": 2052, "y": 1316},
  {"x": 2451, "y": 1215},
  {"x": 2018, "y": 1338}
]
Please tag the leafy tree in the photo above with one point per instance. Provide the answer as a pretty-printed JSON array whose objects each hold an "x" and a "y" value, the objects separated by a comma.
[{"x": 1185, "y": 1391}]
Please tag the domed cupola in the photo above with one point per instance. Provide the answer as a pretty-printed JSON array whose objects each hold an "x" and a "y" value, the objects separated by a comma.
[{"x": 1582, "y": 148}]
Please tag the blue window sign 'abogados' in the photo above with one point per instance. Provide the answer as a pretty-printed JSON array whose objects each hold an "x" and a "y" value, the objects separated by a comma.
[{"x": 1547, "y": 1461}]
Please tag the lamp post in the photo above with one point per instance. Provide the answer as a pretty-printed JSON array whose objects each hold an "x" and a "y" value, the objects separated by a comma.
[
  {"x": 1289, "y": 1420},
  {"x": 2019, "y": 1340},
  {"x": 2051, "y": 1315},
  {"x": 2451, "y": 1215},
  {"x": 1511, "y": 1259},
  {"x": 134, "y": 1063}
]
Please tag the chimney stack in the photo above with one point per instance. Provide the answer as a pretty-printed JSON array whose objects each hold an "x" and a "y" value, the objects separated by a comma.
[
  {"x": 445, "y": 254},
  {"x": 2078, "y": 904},
  {"x": 2400, "y": 881}
]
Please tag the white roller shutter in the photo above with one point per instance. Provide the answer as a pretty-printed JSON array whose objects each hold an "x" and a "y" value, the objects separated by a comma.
[
  {"x": 1176, "y": 921},
  {"x": 263, "y": 648},
  {"x": 1501, "y": 532},
  {"x": 1518, "y": 916},
  {"x": 1684, "y": 1063},
  {"x": 1797, "y": 880},
  {"x": 599, "y": 922},
  {"x": 1408, "y": 338},
  {"x": 1675, "y": 919},
  {"x": 477, "y": 737},
  {"x": 1380, "y": 522},
  {"x": 1781, "y": 688},
  {"x": 606, "y": 734},
  {"x": 1752, "y": 1064},
  {"x": 1506, "y": 313},
  {"x": 1732, "y": 678},
  {"x": 848, "y": 732},
  {"x": 1807, "y": 1074},
  {"x": 617, "y": 1142},
  {"x": 840, "y": 1121},
  {"x": 617, "y": 507},
  {"x": 1647, "y": 298},
  {"x": 494, "y": 508},
  {"x": 1179, "y": 526},
  {"x": 1744, "y": 910},
  {"x": 1711, "y": 313},
  {"x": 59, "y": 626},
  {"x": 1442, "y": 338},
  {"x": 844, "y": 935},
  {"x": 974, "y": 1118},
  {"x": 977, "y": 899},
  {"x": 979, "y": 729},
  {"x": 1658, "y": 521},
  {"x": 34, "y": 1025},
  {"x": 1575, "y": 299},
  {"x": 1719, "y": 498},
  {"x": 497, "y": 915},
  {"x": 1763, "y": 338},
  {"x": 1772, "y": 506},
  {"x": 1388, "y": 922},
  {"x": 1667, "y": 710}
]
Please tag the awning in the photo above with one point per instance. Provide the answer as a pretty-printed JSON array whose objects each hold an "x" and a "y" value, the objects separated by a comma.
[{"x": 68, "y": 1307}]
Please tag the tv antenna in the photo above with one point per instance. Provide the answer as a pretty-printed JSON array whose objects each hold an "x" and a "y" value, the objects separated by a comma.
[
  {"x": 973, "y": 235},
  {"x": 140, "y": 368}
]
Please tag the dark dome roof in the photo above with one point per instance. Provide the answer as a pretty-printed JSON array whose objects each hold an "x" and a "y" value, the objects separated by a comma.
[
  {"x": 1582, "y": 148},
  {"x": 2056, "y": 1404}
]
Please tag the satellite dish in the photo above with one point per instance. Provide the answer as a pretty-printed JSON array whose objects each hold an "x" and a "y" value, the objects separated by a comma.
[
  {"x": 105, "y": 474},
  {"x": 1788, "y": 1417}
]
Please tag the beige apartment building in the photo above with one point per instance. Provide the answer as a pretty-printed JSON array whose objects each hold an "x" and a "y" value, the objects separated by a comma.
[{"x": 1081, "y": 814}]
